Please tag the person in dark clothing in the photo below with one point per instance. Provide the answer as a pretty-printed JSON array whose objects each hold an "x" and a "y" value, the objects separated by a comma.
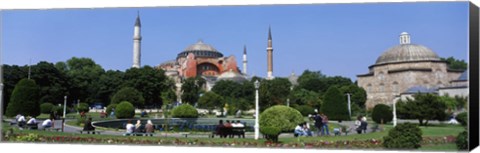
[
  {"x": 318, "y": 123},
  {"x": 220, "y": 129},
  {"x": 88, "y": 125}
]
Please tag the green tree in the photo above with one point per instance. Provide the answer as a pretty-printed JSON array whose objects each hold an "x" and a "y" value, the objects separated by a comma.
[
  {"x": 128, "y": 94},
  {"x": 24, "y": 99},
  {"x": 423, "y": 107},
  {"x": 455, "y": 64},
  {"x": 273, "y": 92},
  {"x": 334, "y": 105},
  {"x": 382, "y": 114},
  {"x": 191, "y": 90},
  {"x": 151, "y": 82},
  {"x": 109, "y": 83},
  {"x": 84, "y": 74},
  {"x": 52, "y": 82},
  {"x": 358, "y": 94},
  {"x": 185, "y": 111},
  {"x": 403, "y": 136},
  {"x": 210, "y": 100},
  {"x": 124, "y": 110},
  {"x": 300, "y": 97},
  {"x": 282, "y": 117},
  {"x": 312, "y": 80},
  {"x": 12, "y": 75}
]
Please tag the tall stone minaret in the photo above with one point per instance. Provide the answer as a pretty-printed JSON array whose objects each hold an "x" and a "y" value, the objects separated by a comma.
[
  {"x": 245, "y": 60},
  {"x": 137, "y": 38},
  {"x": 269, "y": 55}
]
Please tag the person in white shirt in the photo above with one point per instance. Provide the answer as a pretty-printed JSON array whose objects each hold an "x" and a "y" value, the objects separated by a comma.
[
  {"x": 364, "y": 119},
  {"x": 358, "y": 122},
  {"x": 299, "y": 130},
  {"x": 47, "y": 123},
  {"x": 129, "y": 127},
  {"x": 21, "y": 121},
  {"x": 32, "y": 121}
]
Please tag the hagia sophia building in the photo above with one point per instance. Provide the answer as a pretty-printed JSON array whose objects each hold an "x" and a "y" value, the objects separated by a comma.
[
  {"x": 399, "y": 72},
  {"x": 201, "y": 60}
]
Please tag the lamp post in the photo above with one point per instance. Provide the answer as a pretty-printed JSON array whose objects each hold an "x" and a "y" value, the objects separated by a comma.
[
  {"x": 288, "y": 99},
  {"x": 257, "y": 126},
  {"x": 349, "y": 107},
  {"x": 64, "y": 111},
  {"x": 395, "y": 111}
]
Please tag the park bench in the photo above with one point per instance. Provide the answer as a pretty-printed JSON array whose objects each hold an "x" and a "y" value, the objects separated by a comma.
[
  {"x": 230, "y": 132},
  {"x": 138, "y": 134},
  {"x": 90, "y": 131}
]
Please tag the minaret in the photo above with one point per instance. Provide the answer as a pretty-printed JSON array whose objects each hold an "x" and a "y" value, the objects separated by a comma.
[
  {"x": 404, "y": 38},
  {"x": 269, "y": 55},
  {"x": 245, "y": 60},
  {"x": 137, "y": 38}
]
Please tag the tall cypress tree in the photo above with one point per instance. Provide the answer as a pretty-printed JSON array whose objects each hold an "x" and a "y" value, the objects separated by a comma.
[
  {"x": 24, "y": 99},
  {"x": 334, "y": 105}
]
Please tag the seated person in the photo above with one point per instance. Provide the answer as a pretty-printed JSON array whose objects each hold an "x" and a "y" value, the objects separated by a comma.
[
  {"x": 143, "y": 114},
  {"x": 139, "y": 127},
  {"x": 88, "y": 125},
  {"x": 32, "y": 121},
  {"x": 238, "y": 124},
  {"x": 149, "y": 127},
  {"x": 129, "y": 127},
  {"x": 47, "y": 123},
  {"x": 306, "y": 128},
  {"x": 21, "y": 121},
  {"x": 299, "y": 130},
  {"x": 220, "y": 129},
  {"x": 336, "y": 131}
]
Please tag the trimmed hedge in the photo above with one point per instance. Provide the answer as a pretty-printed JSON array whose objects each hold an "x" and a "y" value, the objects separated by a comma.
[
  {"x": 129, "y": 94},
  {"x": 110, "y": 108},
  {"x": 462, "y": 141},
  {"x": 124, "y": 110},
  {"x": 83, "y": 107},
  {"x": 382, "y": 112},
  {"x": 185, "y": 111},
  {"x": 463, "y": 118},
  {"x": 46, "y": 108},
  {"x": 403, "y": 136},
  {"x": 271, "y": 133},
  {"x": 282, "y": 117},
  {"x": 24, "y": 99},
  {"x": 334, "y": 105}
]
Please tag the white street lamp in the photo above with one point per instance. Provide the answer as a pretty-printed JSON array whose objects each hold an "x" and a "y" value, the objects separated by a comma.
[
  {"x": 257, "y": 126},
  {"x": 64, "y": 106},
  {"x": 395, "y": 111},
  {"x": 349, "y": 107}
]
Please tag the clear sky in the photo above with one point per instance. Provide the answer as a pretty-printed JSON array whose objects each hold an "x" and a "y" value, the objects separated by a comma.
[{"x": 336, "y": 39}]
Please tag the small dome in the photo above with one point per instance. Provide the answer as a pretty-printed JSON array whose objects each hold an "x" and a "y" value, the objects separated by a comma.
[
  {"x": 233, "y": 76},
  {"x": 407, "y": 52}
]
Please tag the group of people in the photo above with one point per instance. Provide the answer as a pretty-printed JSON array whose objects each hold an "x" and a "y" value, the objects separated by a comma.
[
  {"x": 139, "y": 128},
  {"x": 321, "y": 123},
  {"x": 30, "y": 121},
  {"x": 361, "y": 124},
  {"x": 303, "y": 129},
  {"x": 225, "y": 129}
]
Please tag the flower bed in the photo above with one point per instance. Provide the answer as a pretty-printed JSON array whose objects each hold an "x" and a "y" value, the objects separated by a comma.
[{"x": 342, "y": 144}]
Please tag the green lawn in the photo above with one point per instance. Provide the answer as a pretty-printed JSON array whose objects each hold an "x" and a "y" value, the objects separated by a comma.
[{"x": 443, "y": 147}]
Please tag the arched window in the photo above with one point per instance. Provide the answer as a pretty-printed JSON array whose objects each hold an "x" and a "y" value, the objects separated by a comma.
[
  {"x": 395, "y": 87},
  {"x": 369, "y": 87},
  {"x": 382, "y": 87}
]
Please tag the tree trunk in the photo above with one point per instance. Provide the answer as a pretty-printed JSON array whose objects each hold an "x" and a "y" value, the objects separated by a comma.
[{"x": 421, "y": 121}]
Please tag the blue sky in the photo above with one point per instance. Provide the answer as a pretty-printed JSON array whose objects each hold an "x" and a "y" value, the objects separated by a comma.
[{"x": 336, "y": 39}]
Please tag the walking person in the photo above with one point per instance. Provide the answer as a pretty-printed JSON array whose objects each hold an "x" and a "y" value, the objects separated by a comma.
[{"x": 325, "y": 125}]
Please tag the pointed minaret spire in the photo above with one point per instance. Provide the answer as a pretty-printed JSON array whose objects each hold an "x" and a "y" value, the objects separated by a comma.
[
  {"x": 245, "y": 60},
  {"x": 269, "y": 55},
  {"x": 137, "y": 38}
]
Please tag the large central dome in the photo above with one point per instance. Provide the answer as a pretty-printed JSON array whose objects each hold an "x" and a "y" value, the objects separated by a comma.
[
  {"x": 201, "y": 49},
  {"x": 406, "y": 52}
]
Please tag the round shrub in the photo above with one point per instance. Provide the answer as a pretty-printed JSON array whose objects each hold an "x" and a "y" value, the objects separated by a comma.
[
  {"x": 463, "y": 118},
  {"x": 271, "y": 133},
  {"x": 403, "y": 136},
  {"x": 24, "y": 99},
  {"x": 185, "y": 111},
  {"x": 280, "y": 116},
  {"x": 382, "y": 112},
  {"x": 462, "y": 141},
  {"x": 305, "y": 110},
  {"x": 110, "y": 108},
  {"x": 59, "y": 109},
  {"x": 46, "y": 108},
  {"x": 83, "y": 107},
  {"x": 124, "y": 110}
]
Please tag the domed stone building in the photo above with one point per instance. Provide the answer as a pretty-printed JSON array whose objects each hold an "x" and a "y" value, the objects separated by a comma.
[{"x": 402, "y": 67}]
